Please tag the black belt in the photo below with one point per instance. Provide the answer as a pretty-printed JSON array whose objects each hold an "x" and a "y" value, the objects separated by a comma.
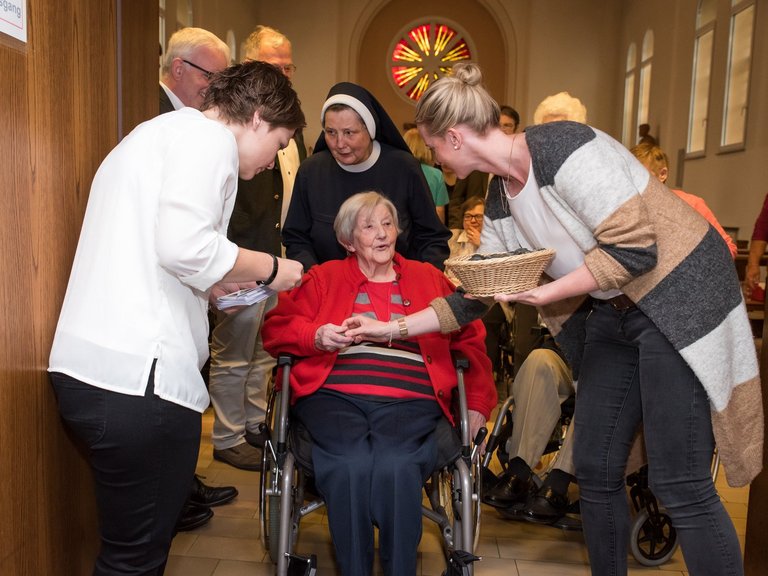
[{"x": 620, "y": 302}]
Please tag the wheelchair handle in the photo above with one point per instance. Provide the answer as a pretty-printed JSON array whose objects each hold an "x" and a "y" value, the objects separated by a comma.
[{"x": 479, "y": 437}]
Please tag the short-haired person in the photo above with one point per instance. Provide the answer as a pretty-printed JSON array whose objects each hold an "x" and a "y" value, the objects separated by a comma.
[
  {"x": 189, "y": 85},
  {"x": 560, "y": 106},
  {"x": 193, "y": 55},
  {"x": 371, "y": 410},
  {"x": 133, "y": 331},
  {"x": 629, "y": 256},
  {"x": 509, "y": 119},
  {"x": 240, "y": 367}
]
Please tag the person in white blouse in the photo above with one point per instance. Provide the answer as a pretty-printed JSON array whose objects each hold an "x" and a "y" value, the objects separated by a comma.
[{"x": 132, "y": 334}]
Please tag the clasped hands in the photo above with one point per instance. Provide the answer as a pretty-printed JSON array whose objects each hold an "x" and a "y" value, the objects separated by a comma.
[{"x": 333, "y": 337}]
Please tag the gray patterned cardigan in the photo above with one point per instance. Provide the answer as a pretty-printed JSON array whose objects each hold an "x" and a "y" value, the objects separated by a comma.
[{"x": 639, "y": 237}]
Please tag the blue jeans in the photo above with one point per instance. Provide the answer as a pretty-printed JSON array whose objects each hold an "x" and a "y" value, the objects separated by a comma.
[
  {"x": 631, "y": 375},
  {"x": 142, "y": 451}
]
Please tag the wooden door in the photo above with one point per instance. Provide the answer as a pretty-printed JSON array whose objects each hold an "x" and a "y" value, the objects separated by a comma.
[{"x": 60, "y": 107}]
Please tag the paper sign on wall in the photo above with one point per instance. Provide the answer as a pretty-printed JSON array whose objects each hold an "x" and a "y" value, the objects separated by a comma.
[{"x": 13, "y": 18}]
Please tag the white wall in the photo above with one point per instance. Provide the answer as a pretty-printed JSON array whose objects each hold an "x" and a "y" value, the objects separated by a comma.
[{"x": 733, "y": 184}]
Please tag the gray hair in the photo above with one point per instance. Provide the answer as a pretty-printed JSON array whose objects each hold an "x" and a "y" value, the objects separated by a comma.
[
  {"x": 560, "y": 106},
  {"x": 459, "y": 98},
  {"x": 360, "y": 203},
  {"x": 263, "y": 35},
  {"x": 185, "y": 42}
]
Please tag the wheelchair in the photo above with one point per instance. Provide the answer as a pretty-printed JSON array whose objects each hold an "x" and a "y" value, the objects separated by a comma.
[{"x": 286, "y": 485}]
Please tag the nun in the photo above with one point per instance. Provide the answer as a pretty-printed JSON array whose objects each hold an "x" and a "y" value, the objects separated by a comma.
[{"x": 360, "y": 149}]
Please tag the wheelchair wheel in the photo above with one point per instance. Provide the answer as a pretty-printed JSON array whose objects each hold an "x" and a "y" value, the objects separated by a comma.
[
  {"x": 653, "y": 540},
  {"x": 269, "y": 505},
  {"x": 269, "y": 485},
  {"x": 451, "y": 498}
]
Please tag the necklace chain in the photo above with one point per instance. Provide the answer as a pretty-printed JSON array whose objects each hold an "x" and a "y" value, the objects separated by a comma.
[{"x": 509, "y": 161}]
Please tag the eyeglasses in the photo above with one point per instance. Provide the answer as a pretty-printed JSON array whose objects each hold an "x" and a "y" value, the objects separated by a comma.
[
  {"x": 474, "y": 217},
  {"x": 205, "y": 72}
]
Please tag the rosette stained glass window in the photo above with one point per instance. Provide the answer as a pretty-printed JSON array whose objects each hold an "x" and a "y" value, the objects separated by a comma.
[{"x": 424, "y": 52}]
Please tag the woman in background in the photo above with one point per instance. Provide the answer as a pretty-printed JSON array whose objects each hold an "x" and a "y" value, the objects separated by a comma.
[{"x": 433, "y": 175}]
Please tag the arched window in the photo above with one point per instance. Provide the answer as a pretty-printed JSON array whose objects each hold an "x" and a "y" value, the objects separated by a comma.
[
  {"x": 644, "y": 94},
  {"x": 702, "y": 74},
  {"x": 424, "y": 51},
  {"x": 739, "y": 64},
  {"x": 627, "y": 130}
]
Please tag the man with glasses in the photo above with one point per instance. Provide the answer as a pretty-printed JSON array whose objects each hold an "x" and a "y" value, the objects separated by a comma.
[
  {"x": 193, "y": 55},
  {"x": 240, "y": 367}
]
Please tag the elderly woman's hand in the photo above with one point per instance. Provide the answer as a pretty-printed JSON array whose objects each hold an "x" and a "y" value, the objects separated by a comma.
[
  {"x": 330, "y": 338},
  {"x": 361, "y": 328}
]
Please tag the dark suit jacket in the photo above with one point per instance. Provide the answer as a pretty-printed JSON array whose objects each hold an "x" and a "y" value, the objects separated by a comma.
[
  {"x": 165, "y": 103},
  {"x": 255, "y": 221}
]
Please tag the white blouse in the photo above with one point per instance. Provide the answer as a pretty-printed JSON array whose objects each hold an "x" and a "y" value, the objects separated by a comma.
[{"x": 152, "y": 244}]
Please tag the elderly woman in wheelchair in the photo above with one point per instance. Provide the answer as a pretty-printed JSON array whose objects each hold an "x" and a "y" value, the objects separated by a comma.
[{"x": 371, "y": 408}]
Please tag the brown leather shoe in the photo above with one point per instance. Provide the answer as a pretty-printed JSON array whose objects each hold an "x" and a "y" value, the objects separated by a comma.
[{"x": 243, "y": 456}]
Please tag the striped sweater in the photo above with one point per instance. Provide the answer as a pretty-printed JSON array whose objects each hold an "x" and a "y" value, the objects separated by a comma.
[{"x": 640, "y": 238}]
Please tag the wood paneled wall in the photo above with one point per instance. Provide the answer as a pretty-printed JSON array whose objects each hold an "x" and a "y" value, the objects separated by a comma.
[{"x": 58, "y": 119}]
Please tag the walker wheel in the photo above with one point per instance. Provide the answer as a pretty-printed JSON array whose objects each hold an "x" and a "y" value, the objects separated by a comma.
[{"x": 653, "y": 540}]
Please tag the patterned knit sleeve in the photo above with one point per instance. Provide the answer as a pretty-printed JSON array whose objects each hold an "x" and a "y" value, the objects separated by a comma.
[{"x": 595, "y": 187}]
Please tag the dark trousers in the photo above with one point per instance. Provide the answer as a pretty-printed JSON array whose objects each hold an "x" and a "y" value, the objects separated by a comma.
[
  {"x": 631, "y": 374},
  {"x": 371, "y": 460},
  {"x": 142, "y": 451}
]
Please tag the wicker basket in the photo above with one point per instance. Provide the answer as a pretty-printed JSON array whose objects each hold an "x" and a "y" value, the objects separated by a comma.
[{"x": 504, "y": 275}]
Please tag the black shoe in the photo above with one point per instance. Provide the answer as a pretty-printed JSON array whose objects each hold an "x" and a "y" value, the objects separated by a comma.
[
  {"x": 204, "y": 495},
  {"x": 546, "y": 506},
  {"x": 193, "y": 516},
  {"x": 510, "y": 490}
]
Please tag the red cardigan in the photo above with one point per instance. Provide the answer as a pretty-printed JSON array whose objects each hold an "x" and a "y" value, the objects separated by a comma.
[{"x": 327, "y": 294}]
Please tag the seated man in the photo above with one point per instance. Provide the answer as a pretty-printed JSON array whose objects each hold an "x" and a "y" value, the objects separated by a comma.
[
  {"x": 371, "y": 409},
  {"x": 541, "y": 384}
]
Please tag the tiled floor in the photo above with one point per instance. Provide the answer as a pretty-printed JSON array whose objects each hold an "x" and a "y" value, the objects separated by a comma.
[{"x": 229, "y": 544}]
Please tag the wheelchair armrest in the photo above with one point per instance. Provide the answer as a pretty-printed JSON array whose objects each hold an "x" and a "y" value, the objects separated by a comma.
[
  {"x": 284, "y": 359},
  {"x": 460, "y": 361}
]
